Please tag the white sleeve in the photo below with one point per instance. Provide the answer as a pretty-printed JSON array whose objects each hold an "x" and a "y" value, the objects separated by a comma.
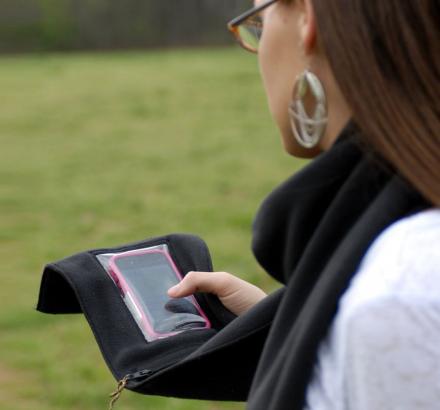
[{"x": 393, "y": 354}]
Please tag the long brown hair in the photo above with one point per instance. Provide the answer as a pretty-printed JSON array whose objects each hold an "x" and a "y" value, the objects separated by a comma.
[{"x": 385, "y": 56}]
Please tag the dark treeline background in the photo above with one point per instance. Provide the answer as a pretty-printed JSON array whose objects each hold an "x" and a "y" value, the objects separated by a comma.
[{"x": 49, "y": 25}]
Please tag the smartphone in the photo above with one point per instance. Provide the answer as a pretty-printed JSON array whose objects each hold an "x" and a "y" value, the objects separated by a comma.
[{"x": 143, "y": 278}]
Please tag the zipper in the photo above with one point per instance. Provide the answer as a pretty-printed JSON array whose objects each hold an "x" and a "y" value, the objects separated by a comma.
[
  {"x": 114, "y": 397},
  {"x": 139, "y": 375}
]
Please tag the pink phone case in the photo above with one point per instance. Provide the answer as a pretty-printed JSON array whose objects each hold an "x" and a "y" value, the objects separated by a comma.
[{"x": 133, "y": 303}]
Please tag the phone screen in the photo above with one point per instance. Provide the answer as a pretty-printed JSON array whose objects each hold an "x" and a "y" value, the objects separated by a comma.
[{"x": 149, "y": 276}]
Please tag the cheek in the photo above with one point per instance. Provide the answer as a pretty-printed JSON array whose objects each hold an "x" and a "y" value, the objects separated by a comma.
[
  {"x": 278, "y": 70},
  {"x": 275, "y": 64},
  {"x": 280, "y": 63}
]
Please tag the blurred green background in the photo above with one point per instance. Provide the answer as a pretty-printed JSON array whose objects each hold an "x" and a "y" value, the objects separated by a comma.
[
  {"x": 104, "y": 149},
  {"x": 100, "y": 149}
]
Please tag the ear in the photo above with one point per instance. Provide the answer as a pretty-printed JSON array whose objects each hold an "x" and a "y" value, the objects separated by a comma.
[{"x": 308, "y": 27}]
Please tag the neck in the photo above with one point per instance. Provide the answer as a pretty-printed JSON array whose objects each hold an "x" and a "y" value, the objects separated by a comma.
[{"x": 339, "y": 112}]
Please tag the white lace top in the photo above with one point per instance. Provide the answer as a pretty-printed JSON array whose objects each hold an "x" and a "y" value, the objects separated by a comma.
[{"x": 383, "y": 349}]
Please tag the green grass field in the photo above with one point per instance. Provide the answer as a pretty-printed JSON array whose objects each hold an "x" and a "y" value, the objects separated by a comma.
[{"x": 103, "y": 149}]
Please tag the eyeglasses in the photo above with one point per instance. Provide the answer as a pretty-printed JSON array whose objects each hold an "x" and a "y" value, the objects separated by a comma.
[{"x": 248, "y": 27}]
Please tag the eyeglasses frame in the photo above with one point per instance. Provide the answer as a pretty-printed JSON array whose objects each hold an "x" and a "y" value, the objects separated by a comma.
[{"x": 237, "y": 21}]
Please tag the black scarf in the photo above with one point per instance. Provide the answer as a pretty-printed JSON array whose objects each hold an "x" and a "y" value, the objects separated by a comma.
[{"x": 311, "y": 234}]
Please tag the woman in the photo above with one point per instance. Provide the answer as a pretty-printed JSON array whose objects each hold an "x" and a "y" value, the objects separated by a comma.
[{"x": 355, "y": 237}]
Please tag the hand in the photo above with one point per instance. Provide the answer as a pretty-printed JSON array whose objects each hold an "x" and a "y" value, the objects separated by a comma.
[{"x": 236, "y": 294}]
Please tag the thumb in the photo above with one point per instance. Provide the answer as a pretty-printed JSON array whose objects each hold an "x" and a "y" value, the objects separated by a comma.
[{"x": 192, "y": 282}]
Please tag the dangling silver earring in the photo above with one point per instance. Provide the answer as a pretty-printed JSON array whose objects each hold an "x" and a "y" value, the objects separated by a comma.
[{"x": 308, "y": 130}]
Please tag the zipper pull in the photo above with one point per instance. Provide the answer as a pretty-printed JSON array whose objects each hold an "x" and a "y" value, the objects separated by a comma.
[
  {"x": 114, "y": 397},
  {"x": 117, "y": 393}
]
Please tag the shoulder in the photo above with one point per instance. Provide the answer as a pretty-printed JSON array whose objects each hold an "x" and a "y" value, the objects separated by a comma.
[
  {"x": 384, "y": 342},
  {"x": 402, "y": 262},
  {"x": 397, "y": 286},
  {"x": 410, "y": 239},
  {"x": 390, "y": 316}
]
